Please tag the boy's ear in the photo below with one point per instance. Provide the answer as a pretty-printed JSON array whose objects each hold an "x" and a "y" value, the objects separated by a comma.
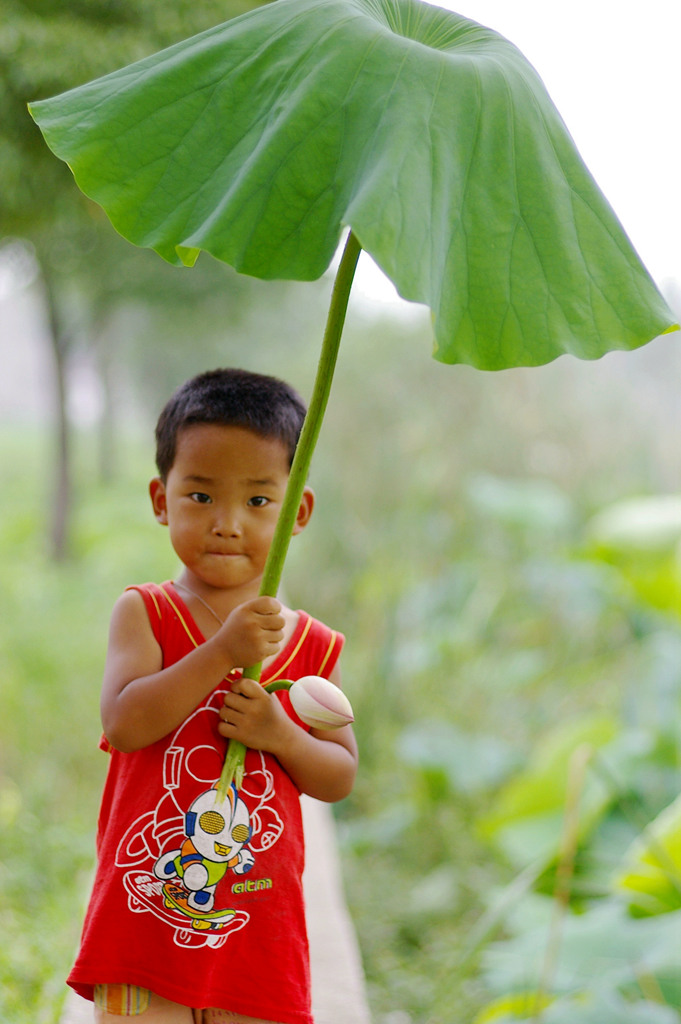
[
  {"x": 157, "y": 493},
  {"x": 304, "y": 510}
]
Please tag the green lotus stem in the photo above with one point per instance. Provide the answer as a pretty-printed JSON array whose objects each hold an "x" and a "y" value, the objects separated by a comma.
[
  {"x": 233, "y": 768},
  {"x": 278, "y": 684}
]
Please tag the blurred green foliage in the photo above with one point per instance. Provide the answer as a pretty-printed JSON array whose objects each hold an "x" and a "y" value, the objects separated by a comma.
[
  {"x": 47, "y": 47},
  {"x": 492, "y": 622}
]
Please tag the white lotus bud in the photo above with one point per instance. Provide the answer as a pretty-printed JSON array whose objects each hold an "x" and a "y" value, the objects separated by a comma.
[{"x": 320, "y": 704}]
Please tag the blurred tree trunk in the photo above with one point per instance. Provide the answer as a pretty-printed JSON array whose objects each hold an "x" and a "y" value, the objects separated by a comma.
[
  {"x": 62, "y": 471},
  {"x": 106, "y": 427}
]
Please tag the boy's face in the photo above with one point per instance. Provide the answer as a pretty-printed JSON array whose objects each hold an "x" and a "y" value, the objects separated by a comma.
[{"x": 221, "y": 501}]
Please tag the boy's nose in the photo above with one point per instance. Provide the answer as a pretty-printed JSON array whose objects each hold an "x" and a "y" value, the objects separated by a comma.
[{"x": 227, "y": 525}]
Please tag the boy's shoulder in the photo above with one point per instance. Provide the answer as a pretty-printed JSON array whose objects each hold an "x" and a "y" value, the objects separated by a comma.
[
  {"x": 141, "y": 601},
  {"x": 136, "y": 594}
]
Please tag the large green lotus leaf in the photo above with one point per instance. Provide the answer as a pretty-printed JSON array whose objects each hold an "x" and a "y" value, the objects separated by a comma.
[{"x": 430, "y": 136}]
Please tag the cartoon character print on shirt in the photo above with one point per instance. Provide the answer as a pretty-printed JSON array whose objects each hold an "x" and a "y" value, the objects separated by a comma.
[
  {"x": 176, "y": 854},
  {"x": 217, "y": 834}
]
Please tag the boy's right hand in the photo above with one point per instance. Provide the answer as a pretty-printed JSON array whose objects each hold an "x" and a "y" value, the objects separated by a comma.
[{"x": 252, "y": 632}]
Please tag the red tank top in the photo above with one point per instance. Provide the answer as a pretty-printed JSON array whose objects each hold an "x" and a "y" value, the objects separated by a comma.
[{"x": 201, "y": 902}]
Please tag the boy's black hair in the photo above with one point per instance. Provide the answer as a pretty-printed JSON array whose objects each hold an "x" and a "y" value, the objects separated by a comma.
[{"x": 232, "y": 398}]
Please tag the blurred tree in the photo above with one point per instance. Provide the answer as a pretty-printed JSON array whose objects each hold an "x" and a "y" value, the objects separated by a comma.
[{"x": 46, "y": 47}]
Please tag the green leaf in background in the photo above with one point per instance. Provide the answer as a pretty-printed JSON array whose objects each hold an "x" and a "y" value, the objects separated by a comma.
[
  {"x": 639, "y": 526},
  {"x": 602, "y": 951},
  {"x": 584, "y": 1008},
  {"x": 468, "y": 762},
  {"x": 651, "y": 874},
  {"x": 429, "y": 135},
  {"x": 525, "y": 818},
  {"x": 536, "y": 505},
  {"x": 642, "y": 538},
  {"x": 608, "y": 1008},
  {"x": 514, "y": 1007}
]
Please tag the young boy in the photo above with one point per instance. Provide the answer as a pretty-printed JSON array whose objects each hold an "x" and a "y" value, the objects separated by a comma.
[{"x": 196, "y": 913}]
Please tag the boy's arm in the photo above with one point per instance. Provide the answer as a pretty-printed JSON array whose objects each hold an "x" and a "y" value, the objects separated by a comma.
[
  {"x": 322, "y": 763},
  {"x": 141, "y": 700}
]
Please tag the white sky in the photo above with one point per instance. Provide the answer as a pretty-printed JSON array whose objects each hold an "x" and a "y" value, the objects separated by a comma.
[{"x": 613, "y": 70}]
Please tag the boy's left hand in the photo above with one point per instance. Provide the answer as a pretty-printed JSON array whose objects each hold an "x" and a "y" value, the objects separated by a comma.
[{"x": 253, "y": 716}]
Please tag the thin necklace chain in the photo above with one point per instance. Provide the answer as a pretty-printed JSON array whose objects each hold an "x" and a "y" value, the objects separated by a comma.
[{"x": 201, "y": 600}]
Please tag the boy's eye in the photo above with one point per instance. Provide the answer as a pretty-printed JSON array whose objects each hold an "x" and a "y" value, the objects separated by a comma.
[
  {"x": 200, "y": 498},
  {"x": 258, "y": 501}
]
